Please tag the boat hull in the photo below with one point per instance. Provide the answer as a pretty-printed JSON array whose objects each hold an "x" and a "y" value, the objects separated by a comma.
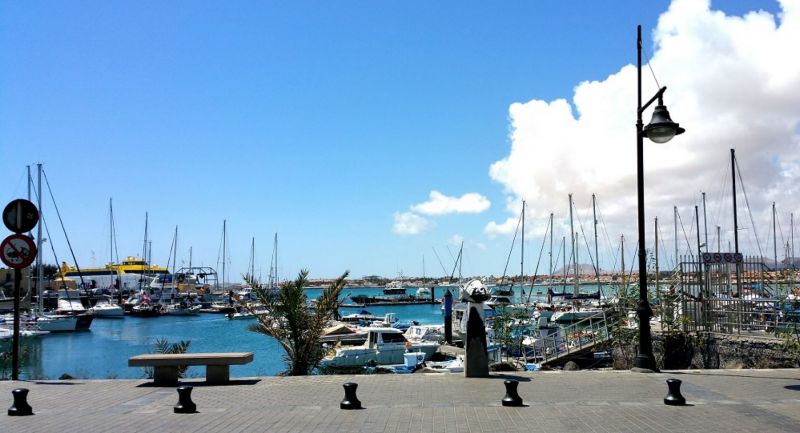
[{"x": 57, "y": 323}]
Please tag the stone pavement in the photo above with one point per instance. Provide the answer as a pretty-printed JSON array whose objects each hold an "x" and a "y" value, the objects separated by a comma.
[{"x": 583, "y": 401}]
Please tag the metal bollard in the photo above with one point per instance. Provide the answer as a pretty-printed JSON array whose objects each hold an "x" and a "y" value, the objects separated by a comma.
[
  {"x": 512, "y": 397},
  {"x": 20, "y": 406},
  {"x": 674, "y": 397},
  {"x": 185, "y": 403},
  {"x": 350, "y": 400}
]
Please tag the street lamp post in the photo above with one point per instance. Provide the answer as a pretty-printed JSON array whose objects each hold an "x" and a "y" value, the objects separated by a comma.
[{"x": 660, "y": 130}]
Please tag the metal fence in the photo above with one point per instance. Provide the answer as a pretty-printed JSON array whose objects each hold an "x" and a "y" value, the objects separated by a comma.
[{"x": 734, "y": 297}]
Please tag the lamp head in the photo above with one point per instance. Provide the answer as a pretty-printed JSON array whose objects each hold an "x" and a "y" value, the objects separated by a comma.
[{"x": 661, "y": 128}]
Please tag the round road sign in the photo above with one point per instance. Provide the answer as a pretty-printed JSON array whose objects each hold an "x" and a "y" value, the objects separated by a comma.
[
  {"x": 20, "y": 216},
  {"x": 17, "y": 251}
]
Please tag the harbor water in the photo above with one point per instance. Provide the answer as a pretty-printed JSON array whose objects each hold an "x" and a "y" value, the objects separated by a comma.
[{"x": 103, "y": 351}]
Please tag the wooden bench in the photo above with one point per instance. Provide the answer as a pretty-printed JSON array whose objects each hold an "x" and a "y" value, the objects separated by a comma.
[{"x": 166, "y": 366}]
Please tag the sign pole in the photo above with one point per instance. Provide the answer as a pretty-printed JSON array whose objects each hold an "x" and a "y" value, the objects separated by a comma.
[{"x": 15, "y": 343}]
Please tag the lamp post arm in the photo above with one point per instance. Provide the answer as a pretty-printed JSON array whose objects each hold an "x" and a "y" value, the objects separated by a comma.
[{"x": 659, "y": 95}]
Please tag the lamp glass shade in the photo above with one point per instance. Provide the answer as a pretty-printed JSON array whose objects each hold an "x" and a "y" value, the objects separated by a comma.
[{"x": 661, "y": 128}]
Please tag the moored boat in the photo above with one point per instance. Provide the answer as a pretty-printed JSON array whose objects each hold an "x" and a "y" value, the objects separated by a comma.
[
  {"x": 384, "y": 346},
  {"x": 104, "y": 308}
]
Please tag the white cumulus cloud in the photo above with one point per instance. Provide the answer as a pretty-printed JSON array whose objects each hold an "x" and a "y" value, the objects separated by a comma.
[
  {"x": 733, "y": 82},
  {"x": 440, "y": 204},
  {"x": 409, "y": 223}
]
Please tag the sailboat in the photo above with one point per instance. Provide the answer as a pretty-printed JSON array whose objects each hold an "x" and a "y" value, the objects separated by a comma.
[
  {"x": 104, "y": 308},
  {"x": 45, "y": 322},
  {"x": 423, "y": 292},
  {"x": 576, "y": 313}
]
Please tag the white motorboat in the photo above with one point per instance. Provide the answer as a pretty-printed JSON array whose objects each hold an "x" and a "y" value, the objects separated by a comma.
[
  {"x": 497, "y": 300},
  {"x": 423, "y": 293},
  {"x": 8, "y": 333},
  {"x": 384, "y": 346},
  {"x": 362, "y": 317},
  {"x": 104, "y": 308},
  {"x": 183, "y": 309},
  {"x": 418, "y": 333}
]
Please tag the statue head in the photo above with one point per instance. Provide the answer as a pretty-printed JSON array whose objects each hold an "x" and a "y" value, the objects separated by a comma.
[{"x": 474, "y": 291}]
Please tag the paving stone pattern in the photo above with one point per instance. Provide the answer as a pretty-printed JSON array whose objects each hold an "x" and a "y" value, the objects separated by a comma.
[{"x": 585, "y": 401}]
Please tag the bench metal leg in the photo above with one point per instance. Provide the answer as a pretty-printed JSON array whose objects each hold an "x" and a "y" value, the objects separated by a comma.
[
  {"x": 217, "y": 374},
  {"x": 165, "y": 376}
]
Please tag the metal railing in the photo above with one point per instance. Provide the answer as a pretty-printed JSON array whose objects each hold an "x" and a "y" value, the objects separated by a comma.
[
  {"x": 731, "y": 299},
  {"x": 577, "y": 337}
]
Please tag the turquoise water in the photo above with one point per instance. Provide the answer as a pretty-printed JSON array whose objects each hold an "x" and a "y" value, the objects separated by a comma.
[{"x": 103, "y": 351}]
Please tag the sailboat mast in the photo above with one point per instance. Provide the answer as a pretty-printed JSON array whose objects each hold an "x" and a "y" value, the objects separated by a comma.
[
  {"x": 774, "y": 238},
  {"x": 144, "y": 247},
  {"x": 699, "y": 255},
  {"x": 705, "y": 220},
  {"x": 735, "y": 220},
  {"x": 175, "y": 251},
  {"x": 522, "y": 251},
  {"x": 658, "y": 292},
  {"x": 564, "y": 262},
  {"x": 39, "y": 270},
  {"x": 110, "y": 231},
  {"x": 675, "y": 219},
  {"x": 550, "y": 274},
  {"x": 29, "y": 233},
  {"x": 596, "y": 249},
  {"x": 252, "y": 259},
  {"x": 224, "y": 247},
  {"x": 624, "y": 286},
  {"x": 572, "y": 246}
]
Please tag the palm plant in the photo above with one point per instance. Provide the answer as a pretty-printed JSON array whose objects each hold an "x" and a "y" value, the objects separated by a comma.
[
  {"x": 288, "y": 320},
  {"x": 165, "y": 347}
]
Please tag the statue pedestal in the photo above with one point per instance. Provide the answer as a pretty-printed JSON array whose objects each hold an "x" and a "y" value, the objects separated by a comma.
[{"x": 476, "y": 361}]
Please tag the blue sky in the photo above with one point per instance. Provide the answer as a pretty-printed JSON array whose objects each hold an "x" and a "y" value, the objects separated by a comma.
[{"x": 316, "y": 120}]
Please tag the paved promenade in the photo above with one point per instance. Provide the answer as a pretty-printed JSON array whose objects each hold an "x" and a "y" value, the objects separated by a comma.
[{"x": 584, "y": 401}]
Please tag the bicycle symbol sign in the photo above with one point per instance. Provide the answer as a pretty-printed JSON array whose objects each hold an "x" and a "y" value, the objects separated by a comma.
[{"x": 17, "y": 251}]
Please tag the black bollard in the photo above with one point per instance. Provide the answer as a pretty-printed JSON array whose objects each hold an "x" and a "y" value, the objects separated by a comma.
[
  {"x": 185, "y": 403},
  {"x": 20, "y": 406},
  {"x": 674, "y": 397},
  {"x": 350, "y": 400},
  {"x": 512, "y": 397}
]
